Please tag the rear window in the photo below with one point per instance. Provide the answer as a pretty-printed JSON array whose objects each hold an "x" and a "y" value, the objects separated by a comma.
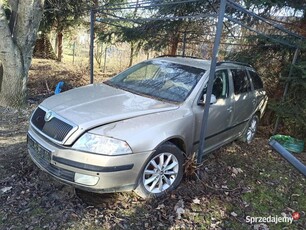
[
  {"x": 241, "y": 81},
  {"x": 257, "y": 82}
]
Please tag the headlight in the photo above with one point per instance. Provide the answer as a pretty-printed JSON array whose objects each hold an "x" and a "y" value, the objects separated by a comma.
[{"x": 101, "y": 144}]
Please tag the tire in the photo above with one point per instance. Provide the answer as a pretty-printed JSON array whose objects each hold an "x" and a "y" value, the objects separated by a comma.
[
  {"x": 251, "y": 129},
  {"x": 162, "y": 172}
]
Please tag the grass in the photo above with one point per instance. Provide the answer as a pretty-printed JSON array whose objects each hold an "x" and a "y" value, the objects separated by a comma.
[
  {"x": 265, "y": 186},
  {"x": 274, "y": 188}
]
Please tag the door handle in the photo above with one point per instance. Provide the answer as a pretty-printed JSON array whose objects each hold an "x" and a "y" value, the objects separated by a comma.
[{"x": 230, "y": 109}]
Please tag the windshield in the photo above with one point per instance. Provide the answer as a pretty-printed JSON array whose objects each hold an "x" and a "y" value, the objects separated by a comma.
[{"x": 159, "y": 79}]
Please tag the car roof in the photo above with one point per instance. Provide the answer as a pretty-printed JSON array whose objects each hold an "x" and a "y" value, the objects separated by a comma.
[{"x": 200, "y": 63}]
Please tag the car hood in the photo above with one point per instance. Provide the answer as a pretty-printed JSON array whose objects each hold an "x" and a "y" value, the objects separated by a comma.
[{"x": 93, "y": 105}]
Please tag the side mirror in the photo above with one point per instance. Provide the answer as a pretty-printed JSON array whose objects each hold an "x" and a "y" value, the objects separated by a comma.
[{"x": 213, "y": 100}]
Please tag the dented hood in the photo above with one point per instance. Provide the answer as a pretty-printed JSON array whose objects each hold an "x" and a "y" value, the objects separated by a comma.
[{"x": 98, "y": 104}]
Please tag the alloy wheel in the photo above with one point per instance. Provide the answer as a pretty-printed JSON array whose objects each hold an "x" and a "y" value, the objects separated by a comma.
[
  {"x": 160, "y": 173},
  {"x": 251, "y": 130}
]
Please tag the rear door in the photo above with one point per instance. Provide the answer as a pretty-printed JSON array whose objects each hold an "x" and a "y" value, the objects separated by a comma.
[
  {"x": 260, "y": 98},
  {"x": 244, "y": 99}
]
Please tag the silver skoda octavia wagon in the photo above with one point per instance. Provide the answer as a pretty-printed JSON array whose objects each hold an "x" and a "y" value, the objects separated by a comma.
[{"x": 134, "y": 131}]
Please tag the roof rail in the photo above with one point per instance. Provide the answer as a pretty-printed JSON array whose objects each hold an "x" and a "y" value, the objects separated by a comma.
[
  {"x": 233, "y": 62},
  {"x": 184, "y": 56}
]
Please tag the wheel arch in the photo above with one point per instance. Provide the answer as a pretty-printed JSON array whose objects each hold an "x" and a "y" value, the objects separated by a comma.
[
  {"x": 258, "y": 113},
  {"x": 177, "y": 141}
]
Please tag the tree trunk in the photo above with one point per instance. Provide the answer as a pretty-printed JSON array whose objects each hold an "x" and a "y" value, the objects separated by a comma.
[
  {"x": 174, "y": 43},
  {"x": 17, "y": 42},
  {"x": 43, "y": 48},
  {"x": 98, "y": 54},
  {"x": 59, "y": 46},
  {"x": 14, "y": 79},
  {"x": 55, "y": 46},
  {"x": 303, "y": 24},
  {"x": 131, "y": 54},
  {"x": 1, "y": 75}
]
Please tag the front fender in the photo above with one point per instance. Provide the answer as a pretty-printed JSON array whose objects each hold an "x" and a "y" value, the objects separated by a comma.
[{"x": 145, "y": 133}]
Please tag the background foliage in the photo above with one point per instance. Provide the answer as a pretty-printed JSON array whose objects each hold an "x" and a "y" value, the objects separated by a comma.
[{"x": 271, "y": 59}]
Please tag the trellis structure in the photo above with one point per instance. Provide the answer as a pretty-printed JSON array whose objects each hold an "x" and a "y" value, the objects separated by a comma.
[{"x": 226, "y": 11}]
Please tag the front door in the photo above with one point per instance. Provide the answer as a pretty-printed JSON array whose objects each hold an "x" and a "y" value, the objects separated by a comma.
[{"x": 220, "y": 114}]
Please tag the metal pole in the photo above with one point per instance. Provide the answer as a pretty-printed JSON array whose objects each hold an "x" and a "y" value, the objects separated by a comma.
[
  {"x": 104, "y": 64},
  {"x": 296, "y": 53},
  {"x": 91, "y": 52},
  {"x": 211, "y": 79},
  {"x": 288, "y": 156},
  {"x": 73, "y": 52},
  {"x": 184, "y": 43}
]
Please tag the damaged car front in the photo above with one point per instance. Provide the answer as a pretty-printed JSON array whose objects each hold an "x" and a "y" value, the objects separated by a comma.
[{"x": 100, "y": 137}]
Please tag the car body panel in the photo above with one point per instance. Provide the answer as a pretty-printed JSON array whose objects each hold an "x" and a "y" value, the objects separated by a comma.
[
  {"x": 95, "y": 105},
  {"x": 108, "y": 181},
  {"x": 100, "y": 104},
  {"x": 152, "y": 129},
  {"x": 217, "y": 131}
]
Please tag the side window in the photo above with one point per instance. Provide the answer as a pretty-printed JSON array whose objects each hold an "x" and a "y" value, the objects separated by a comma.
[
  {"x": 241, "y": 81},
  {"x": 220, "y": 87},
  {"x": 257, "y": 82}
]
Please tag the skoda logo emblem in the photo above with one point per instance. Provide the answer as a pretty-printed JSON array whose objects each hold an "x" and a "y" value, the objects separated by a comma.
[{"x": 48, "y": 116}]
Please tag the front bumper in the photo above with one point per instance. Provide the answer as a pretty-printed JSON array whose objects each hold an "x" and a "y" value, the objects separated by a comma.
[{"x": 113, "y": 173}]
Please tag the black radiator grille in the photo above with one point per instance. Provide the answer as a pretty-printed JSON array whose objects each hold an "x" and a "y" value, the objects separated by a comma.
[
  {"x": 38, "y": 118},
  {"x": 55, "y": 128}
]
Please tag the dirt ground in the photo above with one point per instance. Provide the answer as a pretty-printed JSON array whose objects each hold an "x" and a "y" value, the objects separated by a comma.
[{"x": 237, "y": 181}]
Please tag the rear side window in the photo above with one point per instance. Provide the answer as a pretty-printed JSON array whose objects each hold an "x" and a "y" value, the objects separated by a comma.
[
  {"x": 257, "y": 82},
  {"x": 241, "y": 81}
]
